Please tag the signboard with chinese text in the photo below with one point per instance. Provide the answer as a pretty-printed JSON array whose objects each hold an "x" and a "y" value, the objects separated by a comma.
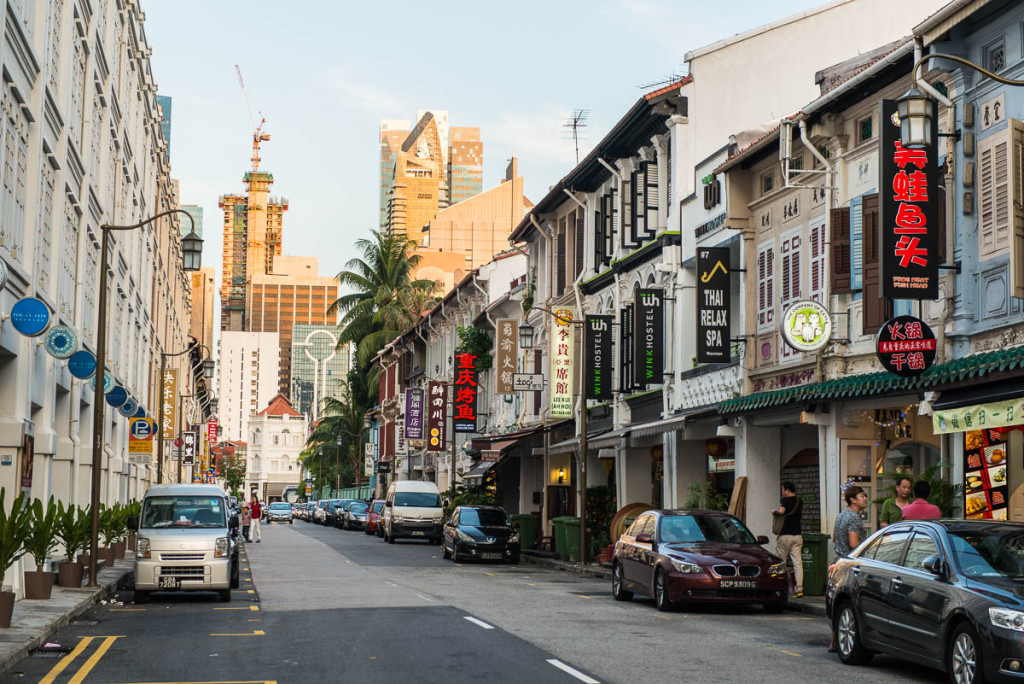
[
  {"x": 414, "y": 413},
  {"x": 437, "y": 415},
  {"x": 649, "y": 337},
  {"x": 713, "y": 305},
  {"x": 980, "y": 416},
  {"x": 464, "y": 401},
  {"x": 563, "y": 351},
  {"x": 986, "y": 493},
  {"x": 169, "y": 388},
  {"x": 597, "y": 357},
  {"x": 401, "y": 445},
  {"x": 906, "y": 346},
  {"x": 506, "y": 363},
  {"x": 189, "y": 438},
  {"x": 211, "y": 430},
  {"x": 909, "y": 205}
]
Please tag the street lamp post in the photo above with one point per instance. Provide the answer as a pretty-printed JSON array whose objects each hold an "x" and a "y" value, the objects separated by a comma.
[{"x": 191, "y": 248}]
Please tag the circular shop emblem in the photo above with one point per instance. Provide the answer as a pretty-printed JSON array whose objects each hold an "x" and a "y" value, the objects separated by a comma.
[
  {"x": 61, "y": 341},
  {"x": 108, "y": 382},
  {"x": 906, "y": 346},
  {"x": 82, "y": 365},
  {"x": 117, "y": 396},
  {"x": 806, "y": 326},
  {"x": 128, "y": 408},
  {"x": 30, "y": 316}
]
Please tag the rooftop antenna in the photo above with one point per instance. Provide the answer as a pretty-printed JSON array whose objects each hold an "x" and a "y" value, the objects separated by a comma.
[
  {"x": 674, "y": 77},
  {"x": 575, "y": 126}
]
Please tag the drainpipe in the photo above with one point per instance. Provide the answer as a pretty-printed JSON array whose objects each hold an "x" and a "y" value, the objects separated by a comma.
[{"x": 921, "y": 83}]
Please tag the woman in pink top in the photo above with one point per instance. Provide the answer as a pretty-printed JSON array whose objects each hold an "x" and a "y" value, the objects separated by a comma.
[{"x": 919, "y": 508}]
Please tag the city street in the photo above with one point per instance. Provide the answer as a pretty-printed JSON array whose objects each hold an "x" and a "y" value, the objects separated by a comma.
[{"x": 322, "y": 605}]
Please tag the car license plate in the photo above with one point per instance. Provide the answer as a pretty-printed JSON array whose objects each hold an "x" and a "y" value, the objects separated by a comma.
[
  {"x": 490, "y": 556},
  {"x": 169, "y": 583},
  {"x": 737, "y": 584},
  {"x": 418, "y": 533}
]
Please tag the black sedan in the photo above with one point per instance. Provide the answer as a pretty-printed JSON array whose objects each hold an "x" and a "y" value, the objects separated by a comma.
[
  {"x": 480, "y": 533},
  {"x": 945, "y": 594},
  {"x": 682, "y": 556},
  {"x": 353, "y": 516}
]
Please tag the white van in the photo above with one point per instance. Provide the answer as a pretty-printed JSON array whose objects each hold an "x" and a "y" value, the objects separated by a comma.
[
  {"x": 187, "y": 540},
  {"x": 413, "y": 509}
]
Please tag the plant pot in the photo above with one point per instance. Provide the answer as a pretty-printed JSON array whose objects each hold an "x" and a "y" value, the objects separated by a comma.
[
  {"x": 131, "y": 541},
  {"x": 119, "y": 548},
  {"x": 83, "y": 560},
  {"x": 6, "y": 608},
  {"x": 38, "y": 585},
  {"x": 106, "y": 554},
  {"x": 70, "y": 575}
]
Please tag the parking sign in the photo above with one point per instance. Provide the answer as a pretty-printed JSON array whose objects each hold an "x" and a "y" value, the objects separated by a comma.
[{"x": 141, "y": 436}]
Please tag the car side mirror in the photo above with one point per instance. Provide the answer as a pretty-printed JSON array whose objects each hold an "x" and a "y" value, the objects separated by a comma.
[
  {"x": 761, "y": 539},
  {"x": 644, "y": 539},
  {"x": 133, "y": 522},
  {"x": 934, "y": 565}
]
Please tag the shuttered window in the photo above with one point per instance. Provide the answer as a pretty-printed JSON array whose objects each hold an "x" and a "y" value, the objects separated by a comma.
[
  {"x": 616, "y": 215},
  {"x": 638, "y": 204},
  {"x": 840, "y": 247},
  {"x": 994, "y": 208},
  {"x": 560, "y": 257},
  {"x": 668, "y": 181},
  {"x": 1017, "y": 208},
  {"x": 651, "y": 196},
  {"x": 607, "y": 220},
  {"x": 766, "y": 286},
  {"x": 816, "y": 253},
  {"x": 578, "y": 250},
  {"x": 628, "y": 234},
  {"x": 790, "y": 249},
  {"x": 876, "y": 310},
  {"x": 856, "y": 242}
]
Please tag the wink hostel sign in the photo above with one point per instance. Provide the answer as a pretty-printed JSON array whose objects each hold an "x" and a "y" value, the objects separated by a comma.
[
  {"x": 713, "y": 301},
  {"x": 649, "y": 333},
  {"x": 598, "y": 357}
]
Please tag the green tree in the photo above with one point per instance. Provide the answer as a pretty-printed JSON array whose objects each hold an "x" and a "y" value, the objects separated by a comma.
[{"x": 335, "y": 443}]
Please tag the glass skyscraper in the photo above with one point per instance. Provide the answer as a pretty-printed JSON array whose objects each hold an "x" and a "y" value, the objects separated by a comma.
[{"x": 319, "y": 367}]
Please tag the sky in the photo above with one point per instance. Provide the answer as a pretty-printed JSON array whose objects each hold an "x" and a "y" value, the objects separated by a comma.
[{"x": 323, "y": 75}]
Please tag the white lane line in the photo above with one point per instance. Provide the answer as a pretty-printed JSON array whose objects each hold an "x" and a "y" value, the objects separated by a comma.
[
  {"x": 573, "y": 671},
  {"x": 478, "y": 623},
  {"x": 425, "y": 598}
]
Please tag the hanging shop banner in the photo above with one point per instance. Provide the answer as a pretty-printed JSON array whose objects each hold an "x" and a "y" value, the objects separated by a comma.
[
  {"x": 980, "y": 416},
  {"x": 506, "y": 344},
  {"x": 140, "y": 440},
  {"x": 597, "y": 356},
  {"x": 117, "y": 397},
  {"x": 61, "y": 341},
  {"x": 563, "y": 352},
  {"x": 401, "y": 445},
  {"x": 464, "y": 401},
  {"x": 82, "y": 365},
  {"x": 906, "y": 346},
  {"x": 414, "y": 413},
  {"x": 909, "y": 206},
  {"x": 437, "y": 415},
  {"x": 30, "y": 316},
  {"x": 141, "y": 413},
  {"x": 806, "y": 326},
  {"x": 985, "y": 487},
  {"x": 128, "y": 408},
  {"x": 108, "y": 383},
  {"x": 713, "y": 305},
  {"x": 189, "y": 438},
  {"x": 649, "y": 337},
  {"x": 169, "y": 389},
  {"x": 211, "y": 430}
]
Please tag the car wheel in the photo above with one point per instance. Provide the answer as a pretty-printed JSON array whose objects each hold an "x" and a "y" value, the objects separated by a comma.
[
  {"x": 141, "y": 596},
  {"x": 618, "y": 592},
  {"x": 851, "y": 648},
  {"x": 456, "y": 556},
  {"x": 964, "y": 662},
  {"x": 389, "y": 538},
  {"x": 444, "y": 550},
  {"x": 661, "y": 601},
  {"x": 225, "y": 595},
  {"x": 514, "y": 560}
]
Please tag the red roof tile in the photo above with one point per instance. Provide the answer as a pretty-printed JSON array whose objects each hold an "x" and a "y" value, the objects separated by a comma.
[{"x": 279, "y": 406}]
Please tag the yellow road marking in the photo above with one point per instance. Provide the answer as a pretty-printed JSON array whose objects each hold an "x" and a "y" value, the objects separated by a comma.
[
  {"x": 795, "y": 655},
  {"x": 250, "y": 591},
  {"x": 531, "y": 584},
  {"x": 584, "y": 597},
  {"x": 233, "y": 608},
  {"x": 52, "y": 675},
  {"x": 247, "y": 580},
  {"x": 93, "y": 659},
  {"x": 490, "y": 574},
  {"x": 258, "y": 632},
  {"x": 663, "y": 617},
  {"x": 254, "y": 608}
]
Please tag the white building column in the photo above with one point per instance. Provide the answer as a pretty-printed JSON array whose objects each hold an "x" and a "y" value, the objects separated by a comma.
[{"x": 758, "y": 459}]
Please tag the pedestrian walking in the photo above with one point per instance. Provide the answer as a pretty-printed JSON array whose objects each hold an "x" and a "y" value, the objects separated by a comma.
[
  {"x": 892, "y": 509},
  {"x": 788, "y": 526},
  {"x": 246, "y": 520},
  {"x": 919, "y": 508},
  {"x": 255, "y": 511},
  {"x": 848, "y": 533}
]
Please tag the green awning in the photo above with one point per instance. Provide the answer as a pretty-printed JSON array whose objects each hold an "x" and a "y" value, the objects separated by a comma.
[{"x": 875, "y": 384}]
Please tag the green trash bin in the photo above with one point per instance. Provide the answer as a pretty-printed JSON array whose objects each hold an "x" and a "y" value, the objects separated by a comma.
[
  {"x": 527, "y": 526},
  {"x": 815, "y": 560},
  {"x": 572, "y": 539},
  {"x": 558, "y": 527}
]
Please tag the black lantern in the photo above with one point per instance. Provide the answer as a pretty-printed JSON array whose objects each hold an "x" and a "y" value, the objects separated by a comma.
[
  {"x": 525, "y": 336},
  {"x": 916, "y": 112},
  {"x": 208, "y": 368},
  {"x": 191, "y": 252}
]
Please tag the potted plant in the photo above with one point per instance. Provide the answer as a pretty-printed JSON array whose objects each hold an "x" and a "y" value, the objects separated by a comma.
[
  {"x": 108, "y": 530},
  {"x": 119, "y": 528},
  {"x": 41, "y": 542},
  {"x": 15, "y": 528},
  {"x": 134, "y": 511},
  {"x": 84, "y": 517},
  {"x": 73, "y": 531}
]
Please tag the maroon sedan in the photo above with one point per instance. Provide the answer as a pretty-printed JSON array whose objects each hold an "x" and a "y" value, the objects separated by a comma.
[
  {"x": 678, "y": 556},
  {"x": 373, "y": 513}
]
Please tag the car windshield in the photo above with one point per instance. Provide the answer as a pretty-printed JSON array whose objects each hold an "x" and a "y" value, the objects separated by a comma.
[
  {"x": 378, "y": 506},
  {"x": 692, "y": 529},
  {"x": 279, "y": 506},
  {"x": 418, "y": 499},
  {"x": 989, "y": 551},
  {"x": 357, "y": 508},
  {"x": 183, "y": 511},
  {"x": 483, "y": 516}
]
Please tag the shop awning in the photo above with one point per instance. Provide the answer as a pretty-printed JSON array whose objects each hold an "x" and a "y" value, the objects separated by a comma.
[
  {"x": 478, "y": 471},
  {"x": 571, "y": 445},
  {"x": 875, "y": 384},
  {"x": 608, "y": 439},
  {"x": 657, "y": 427}
]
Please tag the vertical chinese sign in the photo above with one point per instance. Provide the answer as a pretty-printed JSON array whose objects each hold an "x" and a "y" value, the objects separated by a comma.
[
  {"x": 464, "y": 401},
  {"x": 713, "y": 300},
  {"x": 649, "y": 337},
  {"x": 401, "y": 445},
  {"x": 598, "y": 357},
  {"x": 437, "y": 415},
  {"x": 506, "y": 364},
  {"x": 414, "y": 414},
  {"x": 909, "y": 198},
  {"x": 168, "y": 418},
  {"x": 563, "y": 350}
]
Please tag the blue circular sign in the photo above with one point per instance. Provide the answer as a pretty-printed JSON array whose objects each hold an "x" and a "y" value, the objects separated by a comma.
[
  {"x": 61, "y": 341},
  {"x": 30, "y": 316},
  {"x": 141, "y": 413},
  {"x": 82, "y": 365},
  {"x": 129, "y": 407},
  {"x": 108, "y": 383},
  {"x": 117, "y": 396}
]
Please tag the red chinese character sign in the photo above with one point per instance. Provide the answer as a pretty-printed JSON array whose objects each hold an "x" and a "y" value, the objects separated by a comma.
[
  {"x": 563, "y": 351},
  {"x": 437, "y": 415},
  {"x": 464, "y": 401},
  {"x": 909, "y": 220},
  {"x": 906, "y": 346}
]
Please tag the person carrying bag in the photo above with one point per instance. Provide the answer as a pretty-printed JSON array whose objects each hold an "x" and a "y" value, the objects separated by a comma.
[{"x": 786, "y": 526}]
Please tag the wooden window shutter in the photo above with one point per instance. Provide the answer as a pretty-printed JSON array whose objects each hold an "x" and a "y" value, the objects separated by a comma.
[
  {"x": 876, "y": 310},
  {"x": 766, "y": 287},
  {"x": 818, "y": 262},
  {"x": 537, "y": 360},
  {"x": 1017, "y": 209},
  {"x": 578, "y": 254},
  {"x": 626, "y": 217},
  {"x": 560, "y": 260},
  {"x": 668, "y": 181},
  {"x": 609, "y": 228},
  {"x": 651, "y": 174},
  {"x": 639, "y": 205},
  {"x": 616, "y": 216},
  {"x": 598, "y": 236},
  {"x": 994, "y": 194},
  {"x": 841, "y": 251}
]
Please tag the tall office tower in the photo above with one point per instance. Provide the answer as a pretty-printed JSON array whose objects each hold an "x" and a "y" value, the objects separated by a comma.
[
  {"x": 196, "y": 212},
  {"x": 252, "y": 238},
  {"x": 465, "y": 164},
  {"x": 392, "y": 133},
  {"x": 292, "y": 293},
  {"x": 319, "y": 367},
  {"x": 201, "y": 324},
  {"x": 248, "y": 379}
]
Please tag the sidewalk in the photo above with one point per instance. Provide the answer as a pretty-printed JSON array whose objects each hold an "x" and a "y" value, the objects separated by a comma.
[
  {"x": 809, "y": 605},
  {"x": 35, "y": 622}
]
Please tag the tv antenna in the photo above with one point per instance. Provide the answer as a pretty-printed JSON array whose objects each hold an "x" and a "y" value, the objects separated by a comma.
[
  {"x": 575, "y": 126},
  {"x": 667, "y": 80}
]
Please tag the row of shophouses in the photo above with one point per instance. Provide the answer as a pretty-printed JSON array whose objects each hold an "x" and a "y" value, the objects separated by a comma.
[{"x": 795, "y": 204}]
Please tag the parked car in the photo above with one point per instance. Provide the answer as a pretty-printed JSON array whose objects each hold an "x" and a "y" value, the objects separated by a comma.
[
  {"x": 354, "y": 515},
  {"x": 373, "y": 514},
  {"x": 335, "y": 512},
  {"x": 480, "y": 533},
  {"x": 941, "y": 593},
  {"x": 677, "y": 556},
  {"x": 319, "y": 511},
  {"x": 279, "y": 511},
  {"x": 413, "y": 509}
]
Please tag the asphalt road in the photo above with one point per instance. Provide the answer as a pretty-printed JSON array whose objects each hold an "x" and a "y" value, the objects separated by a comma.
[{"x": 323, "y": 605}]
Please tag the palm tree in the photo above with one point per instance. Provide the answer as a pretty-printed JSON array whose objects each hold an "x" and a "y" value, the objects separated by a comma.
[{"x": 340, "y": 425}]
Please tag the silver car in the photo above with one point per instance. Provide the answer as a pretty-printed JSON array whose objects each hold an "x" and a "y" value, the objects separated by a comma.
[{"x": 279, "y": 511}]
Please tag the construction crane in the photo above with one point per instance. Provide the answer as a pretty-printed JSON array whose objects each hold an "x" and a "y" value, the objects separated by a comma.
[{"x": 258, "y": 135}]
